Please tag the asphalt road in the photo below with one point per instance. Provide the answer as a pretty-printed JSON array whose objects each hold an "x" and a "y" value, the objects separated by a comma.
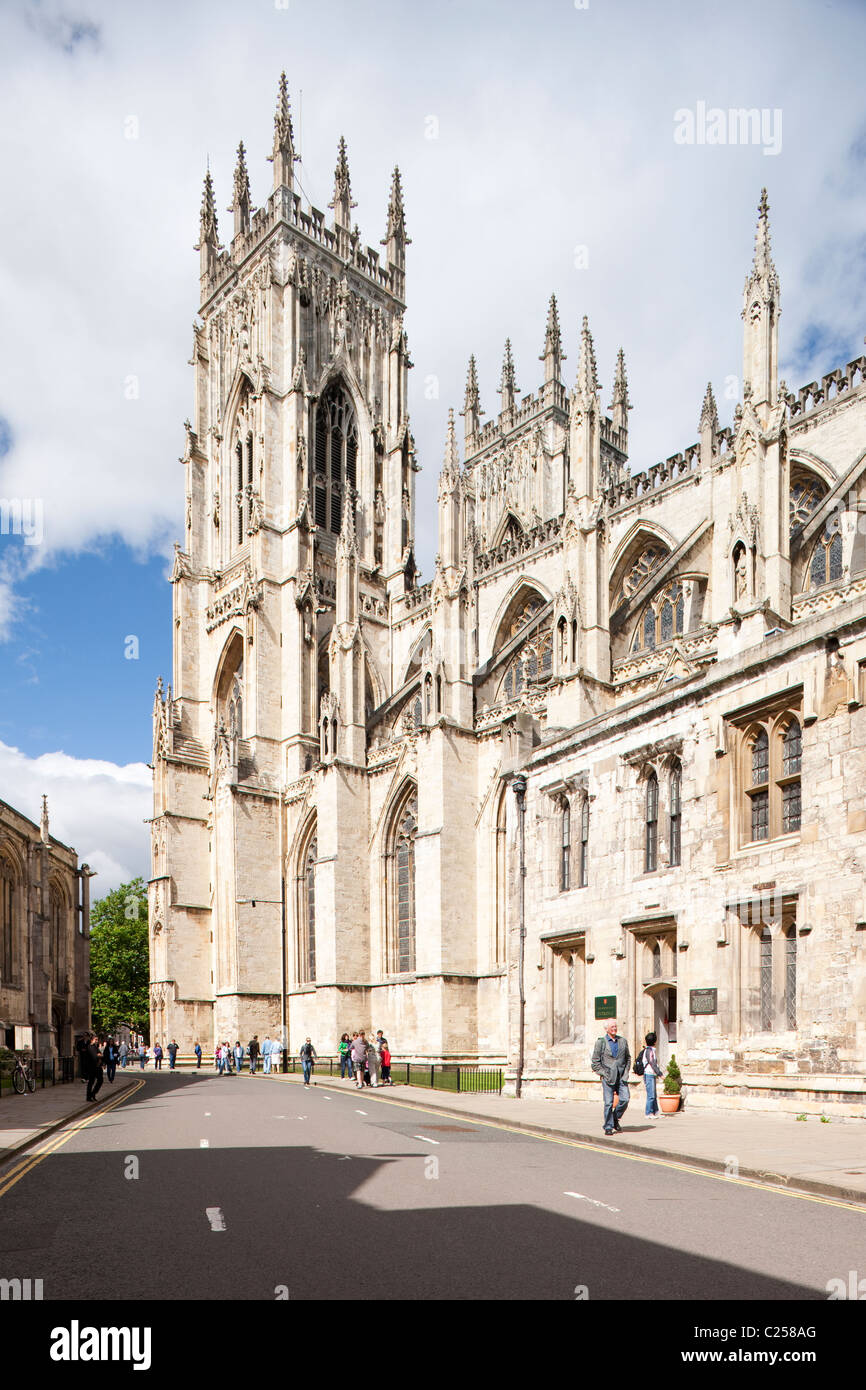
[{"x": 253, "y": 1188}]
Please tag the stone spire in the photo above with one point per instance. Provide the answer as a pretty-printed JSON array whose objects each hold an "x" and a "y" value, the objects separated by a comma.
[
  {"x": 395, "y": 238},
  {"x": 347, "y": 543},
  {"x": 552, "y": 356},
  {"x": 587, "y": 373},
  {"x": 342, "y": 200},
  {"x": 620, "y": 404},
  {"x": 709, "y": 413},
  {"x": 43, "y": 824},
  {"x": 709, "y": 427},
  {"x": 471, "y": 411},
  {"x": 451, "y": 464},
  {"x": 208, "y": 236},
  {"x": 508, "y": 385},
  {"x": 241, "y": 197},
  {"x": 284, "y": 156},
  {"x": 761, "y": 309}
]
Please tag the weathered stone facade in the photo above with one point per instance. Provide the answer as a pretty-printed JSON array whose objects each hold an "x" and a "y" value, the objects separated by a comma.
[
  {"x": 44, "y": 936},
  {"x": 673, "y": 658}
]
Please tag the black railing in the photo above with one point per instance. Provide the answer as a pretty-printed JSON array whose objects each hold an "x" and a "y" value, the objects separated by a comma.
[
  {"x": 46, "y": 1071},
  {"x": 459, "y": 1078}
]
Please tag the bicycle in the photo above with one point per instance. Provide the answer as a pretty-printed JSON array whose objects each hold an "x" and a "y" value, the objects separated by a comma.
[{"x": 22, "y": 1077}]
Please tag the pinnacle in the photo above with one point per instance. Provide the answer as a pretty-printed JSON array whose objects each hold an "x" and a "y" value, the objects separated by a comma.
[
  {"x": 552, "y": 335},
  {"x": 508, "y": 382},
  {"x": 620, "y": 384},
  {"x": 452, "y": 456},
  {"x": 709, "y": 413},
  {"x": 587, "y": 372}
]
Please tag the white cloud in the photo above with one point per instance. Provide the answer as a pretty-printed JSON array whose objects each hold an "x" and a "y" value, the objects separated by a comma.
[{"x": 97, "y": 807}]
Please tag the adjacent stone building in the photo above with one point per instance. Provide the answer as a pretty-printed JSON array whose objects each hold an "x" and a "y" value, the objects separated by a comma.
[
  {"x": 672, "y": 657},
  {"x": 44, "y": 936}
]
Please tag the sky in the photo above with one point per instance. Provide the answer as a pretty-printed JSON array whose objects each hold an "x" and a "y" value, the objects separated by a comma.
[{"x": 547, "y": 148}]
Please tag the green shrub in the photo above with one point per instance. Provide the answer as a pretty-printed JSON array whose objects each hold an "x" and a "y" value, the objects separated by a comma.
[{"x": 673, "y": 1078}]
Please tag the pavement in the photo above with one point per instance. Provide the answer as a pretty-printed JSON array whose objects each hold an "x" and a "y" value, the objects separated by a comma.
[{"x": 802, "y": 1155}]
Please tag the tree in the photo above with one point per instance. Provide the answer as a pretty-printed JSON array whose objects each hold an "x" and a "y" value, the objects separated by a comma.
[{"x": 119, "y": 963}]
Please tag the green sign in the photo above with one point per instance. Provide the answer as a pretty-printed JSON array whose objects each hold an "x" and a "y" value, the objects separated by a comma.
[{"x": 605, "y": 1006}]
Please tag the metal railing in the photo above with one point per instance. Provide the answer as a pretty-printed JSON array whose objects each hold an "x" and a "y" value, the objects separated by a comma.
[
  {"x": 48, "y": 1071},
  {"x": 459, "y": 1078}
]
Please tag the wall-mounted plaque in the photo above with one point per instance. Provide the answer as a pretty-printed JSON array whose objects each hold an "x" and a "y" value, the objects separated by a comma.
[
  {"x": 703, "y": 1001},
  {"x": 605, "y": 1006}
]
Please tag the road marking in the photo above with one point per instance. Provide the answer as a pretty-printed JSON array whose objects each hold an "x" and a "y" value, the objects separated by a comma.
[
  {"x": 581, "y": 1198},
  {"x": 207, "y": 1112},
  {"x": 426, "y": 1139},
  {"x": 302, "y": 1117},
  {"x": 57, "y": 1141},
  {"x": 204, "y": 1144},
  {"x": 360, "y": 1112},
  {"x": 216, "y": 1218},
  {"x": 630, "y": 1157}
]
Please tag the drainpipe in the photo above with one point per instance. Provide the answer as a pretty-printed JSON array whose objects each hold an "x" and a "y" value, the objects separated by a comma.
[{"x": 519, "y": 785}]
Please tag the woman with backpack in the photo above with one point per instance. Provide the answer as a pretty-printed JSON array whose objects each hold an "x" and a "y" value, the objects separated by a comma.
[{"x": 647, "y": 1063}]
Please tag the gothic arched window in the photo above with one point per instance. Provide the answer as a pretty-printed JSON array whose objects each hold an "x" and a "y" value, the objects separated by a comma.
[
  {"x": 335, "y": 457},
  {"x": 306, "y": 921},
  {"x": 242, "y": 484},
  {"x": 639, "y": 571},
  {"x": 400, "y": 870},
  {"x": 662, "y": 619},
  {"x": 807, "y": 493},
  {"x": 652, "y": 823},
  {"x": 9, "y": 963},
  {"x": 676, "y": 815},
  {"x": 825, "y": 567},
  {"x": 57, "y": 939},
  {"x": 565, "y": 855}
]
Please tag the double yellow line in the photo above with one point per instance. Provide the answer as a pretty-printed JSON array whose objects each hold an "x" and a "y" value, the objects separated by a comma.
[{"x": 56, "y": 1141}]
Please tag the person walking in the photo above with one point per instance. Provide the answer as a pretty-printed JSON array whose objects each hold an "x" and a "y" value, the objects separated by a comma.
[
  {"x": 611, "y": 1060},
  {"x": 93, "y": 1063},
  {"x": 239, "y": 1056},
  {"x": 651, "y": 1072},
  {"x": 197, "y": 1051},
  {"x": 308, "y": 1056},
  {"x": 109, "y": 1060},
  {"x": 124, "y": 1054},
  {"x": 386, "y": 1065},
  {"x": 157, "y": 1057},
  {"x": 172, "y": 1054},
  {"x": 276, "y": 1054},
  {"x": 373, "y": 1064},
  {"x": 142, "y": 1056},
  {"x": 359, "y": 1058},
  {"x": 253, "y": 1052},
  {"x": 345, "y": 1059},
  {"x": 266, "y": 1056}
]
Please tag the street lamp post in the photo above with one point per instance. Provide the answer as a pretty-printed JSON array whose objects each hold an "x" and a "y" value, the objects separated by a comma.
[{"x": 519, "y": 785}]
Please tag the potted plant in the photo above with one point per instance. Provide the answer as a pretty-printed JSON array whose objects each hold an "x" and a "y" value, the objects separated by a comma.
[{"x": 670, "y": 1101}]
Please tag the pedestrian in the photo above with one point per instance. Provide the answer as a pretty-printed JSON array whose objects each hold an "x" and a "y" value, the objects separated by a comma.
[
  {"x": 372, "y": 1065},
  {"x": 239, "y": 1056},
  {"x": 157, "y": 1057},
  {"x": 109, "y": 1060},
  {"x": 647, "y": 1062},
  {"x": 308, "y": 1056},
  {"x": 218, "y": 1058},
  {"x": 381, "y": 1041},
  {"x": 276, "y": 1054},
  {"x": 359, "y": 1058},
  {"x": 345, "y": 1059},
  {"x": 253, "y": 1051},
  {"x": 81, "y": 1046},
  {"x": 386, "y": 1066},
  {"x": 93, "y": 1064},
  {"x": 266, "y": 1056},
  {"x": 124, "y": 1054},
  {"x": 611, "y": 1061},
  {"x": 172, "y": 1054},
  {"x": 228, "y": 1059},
  {"x": 197, "y": 1051},
  {"x": 142, "y": 1056}
]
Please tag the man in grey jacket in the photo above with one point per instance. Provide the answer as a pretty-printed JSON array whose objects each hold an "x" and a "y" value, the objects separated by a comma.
[{"x": 611, "y": 1060}]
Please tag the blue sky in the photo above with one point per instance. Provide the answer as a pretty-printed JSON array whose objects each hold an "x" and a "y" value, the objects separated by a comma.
[{"x": 536, "y": 144}]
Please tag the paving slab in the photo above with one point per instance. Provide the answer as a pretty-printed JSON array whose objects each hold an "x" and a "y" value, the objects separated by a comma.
[{"x": 25, "y": 1120}]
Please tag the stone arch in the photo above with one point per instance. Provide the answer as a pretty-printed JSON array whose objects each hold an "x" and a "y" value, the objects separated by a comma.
[
  {"x": 643, "y": 539},
  {"x": 524, "y": 591},
  {"x": 399, "y": 879},
  {"x": 228, "y": 686}
]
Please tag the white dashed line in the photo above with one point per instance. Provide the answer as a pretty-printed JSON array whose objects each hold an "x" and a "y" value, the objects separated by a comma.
[
  {"x": 204, "y": 1143},
  {"x": 216, "y": 1218},
  {"x": 427, "y": 1139},
  {"x": 360, "y": 1112},
  {"x": 581, "y": 1198}
]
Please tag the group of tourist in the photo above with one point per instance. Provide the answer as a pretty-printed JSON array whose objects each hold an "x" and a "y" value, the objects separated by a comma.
[
  {"x": 229, "y": 1061},
  {"x": 368, "y": 1060}
]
